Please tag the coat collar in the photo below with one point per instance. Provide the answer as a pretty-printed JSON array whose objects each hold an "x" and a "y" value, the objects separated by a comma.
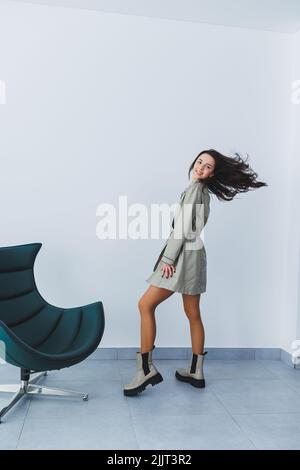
[{"x": 200, "y": 183}]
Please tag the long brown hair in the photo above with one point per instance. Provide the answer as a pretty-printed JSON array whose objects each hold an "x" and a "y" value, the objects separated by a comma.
[{"x": 232, "y": 175}]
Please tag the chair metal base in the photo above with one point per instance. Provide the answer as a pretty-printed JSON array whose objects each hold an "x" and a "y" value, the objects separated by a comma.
[{"x": 29, "y": 387}]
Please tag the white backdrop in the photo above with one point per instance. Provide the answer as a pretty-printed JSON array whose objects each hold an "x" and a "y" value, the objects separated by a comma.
[
  {"x": 291, "y": 313},
  {"x": 101, "y": 105}
]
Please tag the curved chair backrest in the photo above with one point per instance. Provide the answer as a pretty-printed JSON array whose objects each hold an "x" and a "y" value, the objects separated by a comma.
[
  {"x": 20, "y": 302},
  {"x": 36, "y": 336}
]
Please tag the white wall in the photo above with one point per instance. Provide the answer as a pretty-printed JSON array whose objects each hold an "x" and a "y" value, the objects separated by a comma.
[
  {"x": 291, "y": 314},
  {"x": 101, "y": 105},
  {"x": 297, "y": 173}
]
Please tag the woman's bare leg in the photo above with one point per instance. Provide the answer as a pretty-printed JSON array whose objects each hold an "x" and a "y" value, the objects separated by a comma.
[
  {"x": 191, "y": 304},
  {"x": 147, "y": 305}
]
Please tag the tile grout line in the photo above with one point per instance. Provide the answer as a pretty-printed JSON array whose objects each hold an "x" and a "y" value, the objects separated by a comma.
[
  {"x": 266, "y": 368},
  {"x": 290, "y": 386},
  {"x": 22, "y": 427},
  {"x": 234, "y": 420},
  {"x": 129, "y": 409},
  {"x": 243, "y": 431}
]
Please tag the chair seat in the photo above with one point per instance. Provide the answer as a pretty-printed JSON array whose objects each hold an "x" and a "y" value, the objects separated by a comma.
[{"x": 75, "y": 335}]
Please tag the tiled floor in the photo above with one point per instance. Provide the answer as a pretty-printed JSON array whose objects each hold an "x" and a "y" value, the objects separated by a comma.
[{"x": 247, "y": 404}]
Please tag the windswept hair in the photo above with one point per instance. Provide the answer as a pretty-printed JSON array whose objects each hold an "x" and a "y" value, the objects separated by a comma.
[{"x": 232, "y": 175}]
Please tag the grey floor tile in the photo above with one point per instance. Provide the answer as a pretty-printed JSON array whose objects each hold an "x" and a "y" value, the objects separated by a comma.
[
  {"x": 244, "y": 404},
  {"x": 172, "y": 397},
  {"x": 272, "y": 431},
  {"x": 256, "y": 396},
  {"x": 105, "y": 398},
  {"x": 12, "y": 423},
  {"x": 284, "y": 372},
  {"x": 231, "y": 369},
  {"x": 9, "y": 435},
  {"x": 9, "y": 374},
  {"x": 98, "y": 432},
  {"x": 179, "y": 399},
  {"x": 209, "y": 431},
  {"x": 88, "y": 370}
]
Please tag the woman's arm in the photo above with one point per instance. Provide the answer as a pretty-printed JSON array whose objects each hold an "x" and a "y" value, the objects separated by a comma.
[{"x": 183, "y": 223}]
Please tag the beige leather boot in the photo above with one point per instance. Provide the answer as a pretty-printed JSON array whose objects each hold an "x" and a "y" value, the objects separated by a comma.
[
  {"x": 146, "y": 374},
  {"x": 193, "y": 374}
]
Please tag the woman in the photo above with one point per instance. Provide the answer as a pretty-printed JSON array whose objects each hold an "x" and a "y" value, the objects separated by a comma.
[{"x": 181, "y": 266}]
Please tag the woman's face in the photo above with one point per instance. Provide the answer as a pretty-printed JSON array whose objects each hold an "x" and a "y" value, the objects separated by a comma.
[{"x": 204, "y": 167}]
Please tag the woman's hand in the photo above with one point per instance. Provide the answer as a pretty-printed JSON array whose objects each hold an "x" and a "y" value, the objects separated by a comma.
[{"x": 168, "y": 270}]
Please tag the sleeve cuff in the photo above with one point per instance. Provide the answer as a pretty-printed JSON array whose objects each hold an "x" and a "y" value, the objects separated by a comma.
[{"x": 167, "y": 260}]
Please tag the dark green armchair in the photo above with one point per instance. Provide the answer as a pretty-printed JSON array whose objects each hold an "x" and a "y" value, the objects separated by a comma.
[{"x": 36, "y": 336}]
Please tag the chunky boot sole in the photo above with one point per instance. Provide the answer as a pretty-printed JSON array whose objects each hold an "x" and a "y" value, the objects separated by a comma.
[
  {"x": 156, "y": 379},
  {"x": 199, "y": 383}
]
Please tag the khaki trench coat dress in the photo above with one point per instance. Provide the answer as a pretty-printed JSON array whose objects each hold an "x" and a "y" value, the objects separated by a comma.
[{"x": 184, "y": 248}]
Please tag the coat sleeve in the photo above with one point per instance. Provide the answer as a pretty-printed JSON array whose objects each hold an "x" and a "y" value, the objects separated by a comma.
[{"x": 182, "y": 224}]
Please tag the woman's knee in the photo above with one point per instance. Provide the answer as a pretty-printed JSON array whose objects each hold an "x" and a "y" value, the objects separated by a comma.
[
  {"x": 141, "y": 304},
  {"x": 192, "y": 314},
  {"x": 144, "y": 305}
]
